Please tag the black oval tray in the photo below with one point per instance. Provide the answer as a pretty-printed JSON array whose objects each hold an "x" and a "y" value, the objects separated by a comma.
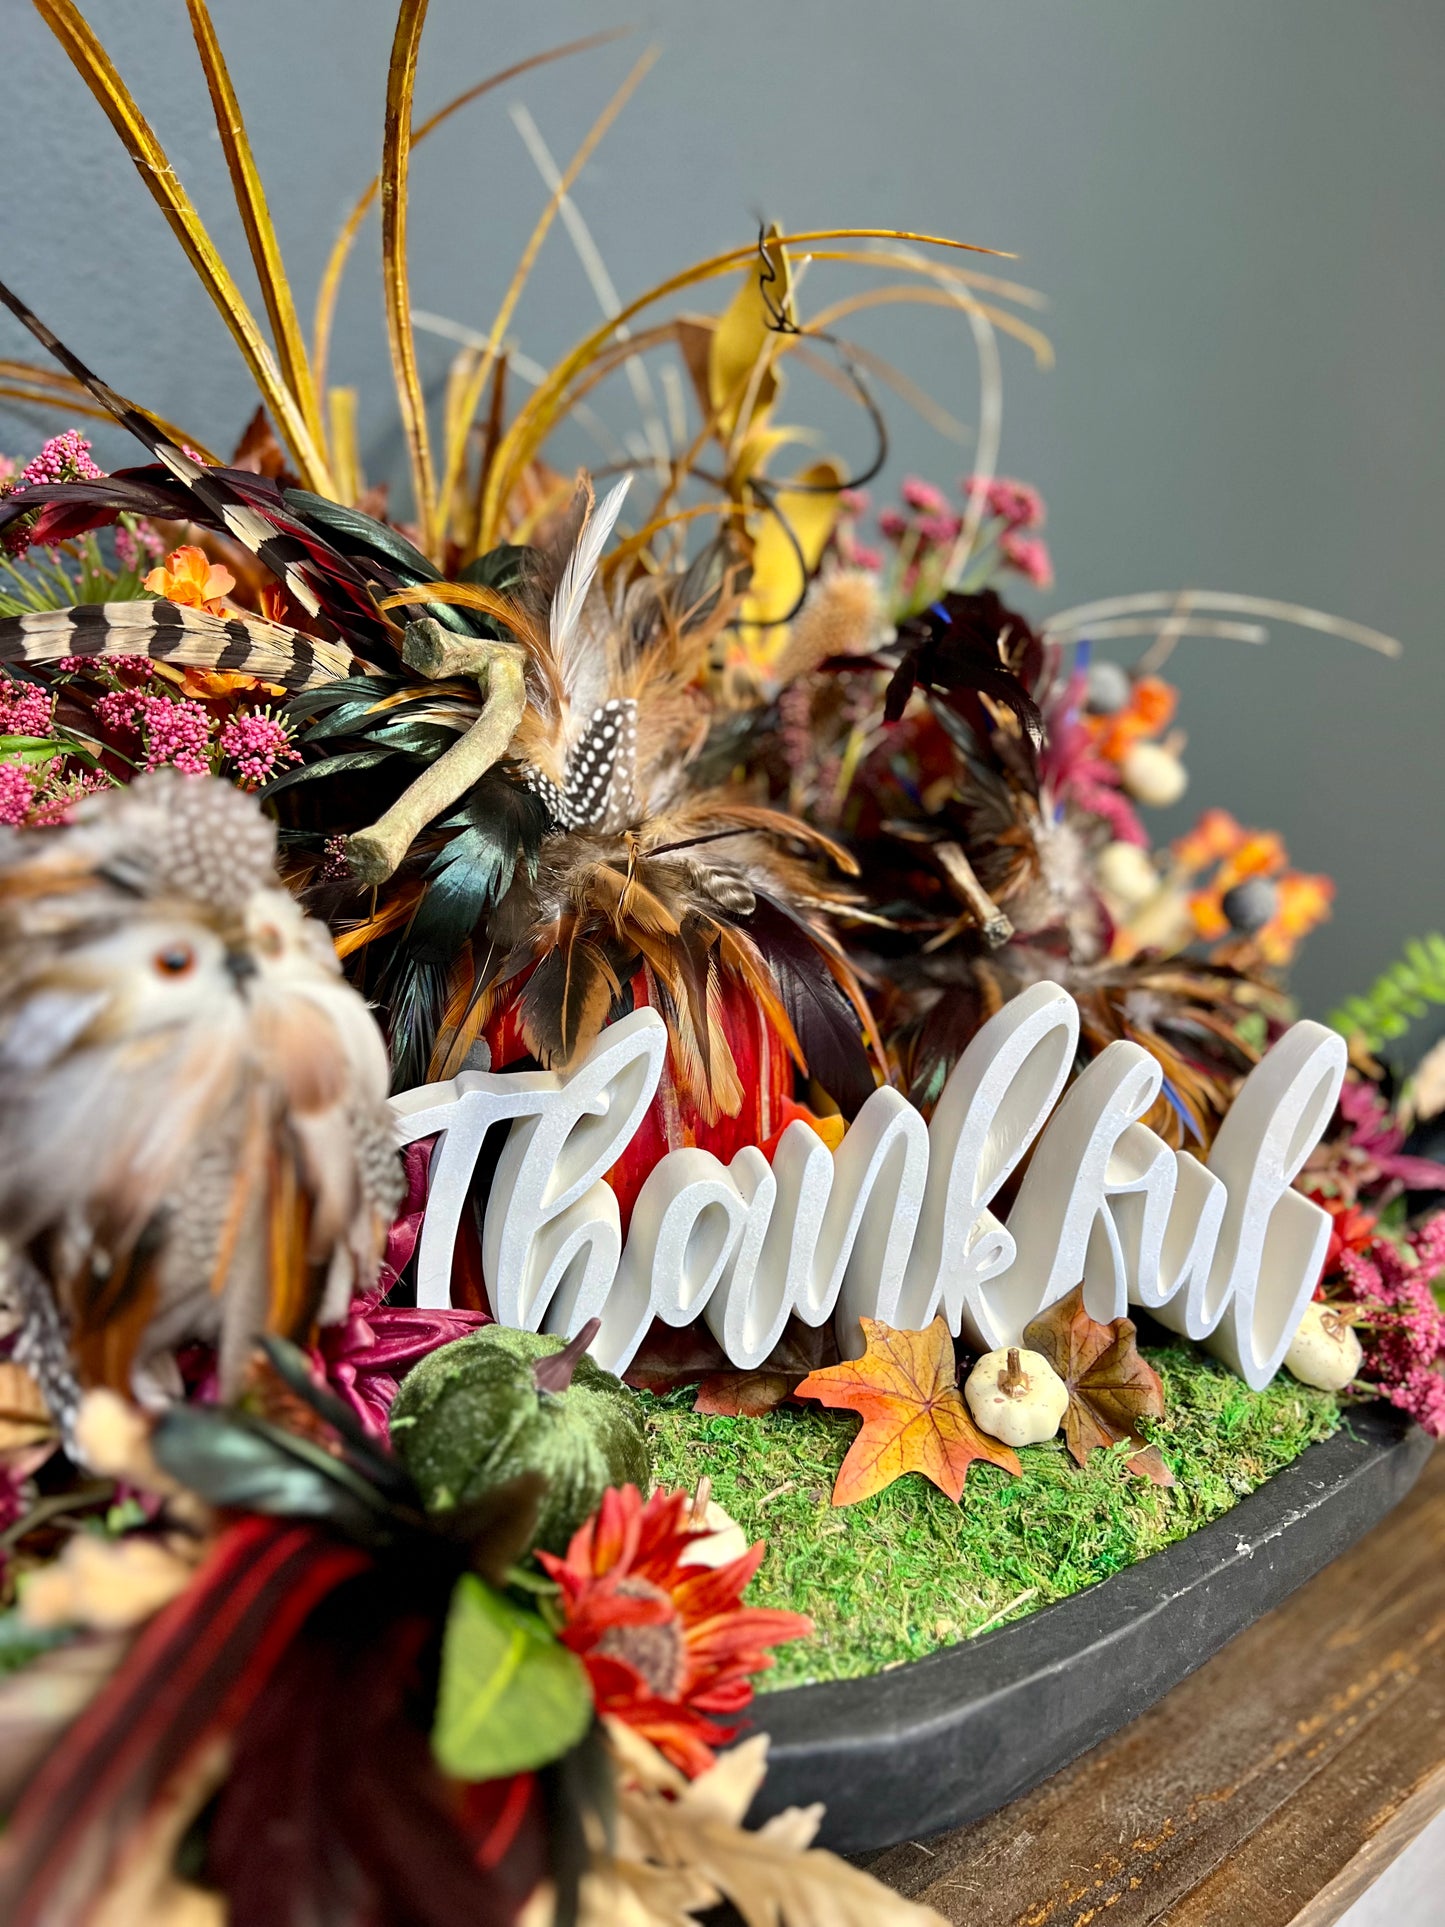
[{"x": 944, "y": 1740}]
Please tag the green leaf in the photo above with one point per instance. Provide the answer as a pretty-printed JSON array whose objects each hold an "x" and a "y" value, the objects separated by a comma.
[
  {"x": 30, "y": 749},
  {"x": 512, "y": 1699},
  {"x": 1404, "y": 992}
]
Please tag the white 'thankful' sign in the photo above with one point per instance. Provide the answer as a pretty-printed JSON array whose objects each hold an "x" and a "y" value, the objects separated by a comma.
[{"x": 895, "y": 1224}]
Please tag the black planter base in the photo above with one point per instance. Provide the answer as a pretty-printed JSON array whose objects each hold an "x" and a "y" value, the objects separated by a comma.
[{"x": 947, "y": 1739}]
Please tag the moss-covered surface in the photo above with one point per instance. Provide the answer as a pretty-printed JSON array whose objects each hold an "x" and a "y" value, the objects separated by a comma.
[{"x": 906, "y": 1572}]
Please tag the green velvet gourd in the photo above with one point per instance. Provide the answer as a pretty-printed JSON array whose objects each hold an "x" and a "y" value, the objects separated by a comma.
[{"x": 471, "y": 1416}]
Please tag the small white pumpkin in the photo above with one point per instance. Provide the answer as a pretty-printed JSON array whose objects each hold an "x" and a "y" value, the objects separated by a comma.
[
  {"x": 725, "y": 1539},
  {"x": 1153, "y": 775},
  {"x": 1017, "y": 1396},
  {"x": 1126, "y": 875},
  {"x": 1326, "y": 1350}
]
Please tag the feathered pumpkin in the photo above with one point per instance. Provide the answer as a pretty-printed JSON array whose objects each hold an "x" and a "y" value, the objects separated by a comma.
[{"x": 599, "y": 877}]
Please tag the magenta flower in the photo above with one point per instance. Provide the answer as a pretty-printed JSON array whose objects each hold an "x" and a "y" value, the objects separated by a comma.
[
  {"x": 1377, "y": 1137},
  {"x": 364, "y": 1359},
  {"x": 177, "y": 734},
  {"x": 1073, "y": 772},
  {"x": 1112, "y": 806},
  {"x": 1421, "y": 1393},
  {"x": 893, "y": 524},
  {"x": 12, "y": 1506},
  {"x": 122, "y": 711},
  {"x": 105, "y": 665},
  {"x": 335, "y": 863},
  {"x": 257, "y": 744},
  {"x": 58, "y": 796}
]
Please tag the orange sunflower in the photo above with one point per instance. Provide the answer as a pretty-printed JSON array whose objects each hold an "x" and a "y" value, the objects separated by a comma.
[{"x": 668, "y": 1645}]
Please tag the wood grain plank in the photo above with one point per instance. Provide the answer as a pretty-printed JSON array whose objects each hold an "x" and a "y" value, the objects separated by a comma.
[{"x": 1265, "y": 1791}]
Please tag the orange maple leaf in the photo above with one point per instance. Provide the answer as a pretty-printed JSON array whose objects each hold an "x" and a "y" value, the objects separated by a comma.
[{"x": 905, "y": 1390}]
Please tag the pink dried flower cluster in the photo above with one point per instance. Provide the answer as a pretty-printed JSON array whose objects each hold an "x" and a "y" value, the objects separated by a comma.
[
  {"x": 335, "y": 864},
  {"x": 257, "y": 745},
  {"x": 1015, "y": 504},
  {"x": 173, "y": 734},
  {"x": 17, "y": 794},
  {"x": 1029, "y": 555},
  {"x": 61, "y": 793},
  {"x": 926, "y": 528},
  {"x": 110, "y": 667},
  {"x": 1073, "y": 770},
  {"x": 923, "y": 496},
  {"x": 1401, "y": 1324},
  {"x": 64, "y": 458},
  {"x": 853, "y": 504},
  {"x": 7, "y": 470},
  {"x": 933, "y": 527},
  {"x": 25, "y": 709},
  {"x": 134, "y": 548}
]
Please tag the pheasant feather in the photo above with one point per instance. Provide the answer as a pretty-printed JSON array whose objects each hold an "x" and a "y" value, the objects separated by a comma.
[{"x": 166, "y": 632}]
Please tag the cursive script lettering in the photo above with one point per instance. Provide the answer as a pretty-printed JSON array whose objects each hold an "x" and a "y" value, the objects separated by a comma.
[{"x": 895, "y": 1224}]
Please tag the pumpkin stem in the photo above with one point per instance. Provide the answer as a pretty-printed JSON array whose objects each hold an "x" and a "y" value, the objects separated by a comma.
[
  {"x": 554, "y": 1373},
  {"x": 1012, "y": 1378}
]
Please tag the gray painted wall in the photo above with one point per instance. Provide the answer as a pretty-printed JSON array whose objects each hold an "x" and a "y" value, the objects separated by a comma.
[{"x": 1234, "y": 208}]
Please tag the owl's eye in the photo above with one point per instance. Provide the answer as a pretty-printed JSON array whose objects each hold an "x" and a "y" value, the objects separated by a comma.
[{"x": 176, "y": 960}]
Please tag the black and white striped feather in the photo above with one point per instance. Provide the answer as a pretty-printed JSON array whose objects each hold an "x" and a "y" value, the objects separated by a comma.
[{"x": 247, "y": 645}]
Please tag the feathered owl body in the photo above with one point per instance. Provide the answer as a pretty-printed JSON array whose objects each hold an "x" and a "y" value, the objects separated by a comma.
[{"x": 193, "y": 1136}]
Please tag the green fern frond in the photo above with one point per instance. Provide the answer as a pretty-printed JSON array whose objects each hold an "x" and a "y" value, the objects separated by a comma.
[{"x": 1404, "y": 992}]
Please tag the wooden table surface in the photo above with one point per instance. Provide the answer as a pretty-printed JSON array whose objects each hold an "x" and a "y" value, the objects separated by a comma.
[{"x": 1268, "y": 1790}]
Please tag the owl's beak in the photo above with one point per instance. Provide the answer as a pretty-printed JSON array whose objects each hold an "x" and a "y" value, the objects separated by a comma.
[{"x": 240, "y": 964}]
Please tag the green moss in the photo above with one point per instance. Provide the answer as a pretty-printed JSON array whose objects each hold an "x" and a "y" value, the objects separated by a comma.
[{"x": 904, "y": 1573}]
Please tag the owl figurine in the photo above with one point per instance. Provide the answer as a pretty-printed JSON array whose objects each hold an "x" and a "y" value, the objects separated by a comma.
[{"x": 194, "y": 1140}]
